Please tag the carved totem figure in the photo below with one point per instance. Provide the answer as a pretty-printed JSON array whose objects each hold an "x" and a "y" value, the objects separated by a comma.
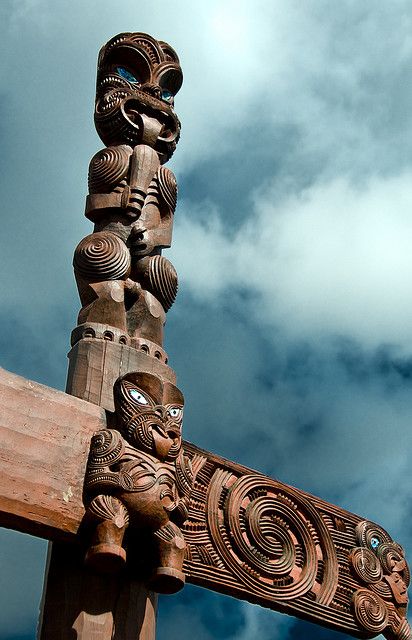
[
  {"x": 137, "y": 476},
  {"x": 123, "y": 280}
]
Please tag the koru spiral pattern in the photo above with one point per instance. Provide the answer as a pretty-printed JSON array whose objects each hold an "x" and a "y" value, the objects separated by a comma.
[
  {"x": 108, "y": 167},
  {"x": 102, "y": 256},
  {"x": 273, "y": 540}
]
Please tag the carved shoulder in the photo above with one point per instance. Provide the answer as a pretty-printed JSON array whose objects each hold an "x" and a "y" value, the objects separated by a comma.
[{"x": 107, "y": 448}]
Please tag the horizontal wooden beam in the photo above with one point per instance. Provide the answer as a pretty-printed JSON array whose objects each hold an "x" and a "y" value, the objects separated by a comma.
[
  {"x": 247, "y": 535},
  {"x": 44, "y": 443}
]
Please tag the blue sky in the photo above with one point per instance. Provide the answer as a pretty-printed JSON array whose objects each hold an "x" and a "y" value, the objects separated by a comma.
[{"x": 291, "y": 335}]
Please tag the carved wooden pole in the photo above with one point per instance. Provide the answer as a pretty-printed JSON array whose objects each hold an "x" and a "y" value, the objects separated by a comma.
[
  {"x": 151, "y": 509},
  {"x": 137, "y": 477}
]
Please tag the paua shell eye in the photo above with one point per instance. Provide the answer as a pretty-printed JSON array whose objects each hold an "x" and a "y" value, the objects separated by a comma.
[
  {"x": 126, "y": 74},
  {"x": 175, "y": 412},
  {"x": 167, "y": 95},
  {"x": 137, "y": 396},
  {"x": 375, "y": 542}
]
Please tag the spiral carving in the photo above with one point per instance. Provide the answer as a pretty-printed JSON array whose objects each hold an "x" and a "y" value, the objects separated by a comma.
[
  {"x": 271, "y": 538},
  {"x": 107, "y": 447},
  {"x": 102, "y": 256},
  {"x": 370, "y": 611},
  {"x": 366, "y": 564},
  {"x": 392, "y": 559},
  {"x": 167, "y": 187},
  {"x": 371, "y": 535},
  {"x": 108, "y": 167},
  {"x": 162, "y": 278}
]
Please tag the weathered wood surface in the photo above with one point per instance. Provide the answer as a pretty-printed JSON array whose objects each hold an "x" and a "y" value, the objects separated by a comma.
[
  {"x": 44, "y": 444},
  {"x": 247, "y": 535},
  {"x": 90, "y": 606}
]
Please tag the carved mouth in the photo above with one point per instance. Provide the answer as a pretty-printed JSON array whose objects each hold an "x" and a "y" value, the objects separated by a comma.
[
  {"x": 133, "y": 104},
  {"x": 141, "y": 104}
]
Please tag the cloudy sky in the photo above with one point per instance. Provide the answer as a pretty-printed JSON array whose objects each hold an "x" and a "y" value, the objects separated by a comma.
[{"x": 292, "y": 332}]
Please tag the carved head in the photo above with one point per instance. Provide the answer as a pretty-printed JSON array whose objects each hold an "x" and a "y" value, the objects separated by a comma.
[
  {"x": 149, "y": 413},
  {"x": 137, "y": 80}
]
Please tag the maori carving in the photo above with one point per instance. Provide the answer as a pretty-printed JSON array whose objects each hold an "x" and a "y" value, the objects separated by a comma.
[
  {"x": 123, "y": 280},
  {"x": 380, "y": 565},
  {"x": 258, "y": 539},
  {"x": 138, "y": 477}
]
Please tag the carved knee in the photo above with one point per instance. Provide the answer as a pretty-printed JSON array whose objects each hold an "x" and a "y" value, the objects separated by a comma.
[
  {"x": 168, "y": 577},
  {"x": 110, "y": 519}
]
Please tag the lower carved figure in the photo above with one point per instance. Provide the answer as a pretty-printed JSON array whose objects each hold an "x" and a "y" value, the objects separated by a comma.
[{"x": 138, "y": 478}]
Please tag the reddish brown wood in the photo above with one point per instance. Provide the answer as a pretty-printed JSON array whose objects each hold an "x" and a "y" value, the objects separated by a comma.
[
  {"x": 332, "y": 573},
  {"x": 45, "y": 439},
  {"x": 80, "y": 604},
  {"x": 246, "y": 535},
  {"x": 138, "y": 478}
]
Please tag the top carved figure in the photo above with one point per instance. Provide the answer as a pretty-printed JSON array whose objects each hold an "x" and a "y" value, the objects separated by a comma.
[
  {"x": 137, "y": 79},
  {"x": 123, "y": 280}
]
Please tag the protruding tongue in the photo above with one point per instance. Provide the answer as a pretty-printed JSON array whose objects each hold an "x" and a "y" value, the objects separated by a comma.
[
  {"x": 151, "y": 128},
  {"x": 162, "y": 444}
]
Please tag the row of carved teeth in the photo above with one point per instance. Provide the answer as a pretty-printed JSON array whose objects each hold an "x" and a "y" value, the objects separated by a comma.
[{"x": 113, "y": 100}]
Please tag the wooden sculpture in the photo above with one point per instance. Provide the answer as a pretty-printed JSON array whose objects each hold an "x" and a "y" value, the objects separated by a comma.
[
  {"x": 137, "y": 473},
  {"x": 113, "y": 470}
]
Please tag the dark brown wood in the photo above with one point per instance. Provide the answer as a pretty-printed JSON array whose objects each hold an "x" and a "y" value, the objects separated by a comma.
[
  {"x": 85, "y": 606},
  {"x": 227, "y": 527},
  {"x": 243, "y": 527},
  {"x": 139, "y": 479}
]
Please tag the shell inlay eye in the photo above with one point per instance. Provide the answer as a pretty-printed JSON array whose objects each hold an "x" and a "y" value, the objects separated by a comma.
[
  {"x": 137, "y": 396},
  {"x": 175, "y": 412},
  {"x": 167, "y": 95},
  {"x": 375, "y": 542},
  {"x": 126, "y": 74}
]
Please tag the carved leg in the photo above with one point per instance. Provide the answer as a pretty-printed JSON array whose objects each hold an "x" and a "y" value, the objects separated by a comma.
[
  {"x": 168, "y": 577},
  {"x": 111, "y": 519}
]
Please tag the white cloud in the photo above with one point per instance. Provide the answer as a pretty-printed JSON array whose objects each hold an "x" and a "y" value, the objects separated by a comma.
[{"x": 335, "y": 259}]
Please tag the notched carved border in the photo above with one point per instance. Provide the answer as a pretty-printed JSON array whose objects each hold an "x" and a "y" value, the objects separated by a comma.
[{"x": 258, "y": 539}]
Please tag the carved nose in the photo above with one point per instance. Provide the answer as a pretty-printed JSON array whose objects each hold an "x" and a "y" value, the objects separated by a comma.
[
  {"x": 152, "y": 89},
  {"x": 160, "y": 411},
  {"x": 138, "y": 233}
]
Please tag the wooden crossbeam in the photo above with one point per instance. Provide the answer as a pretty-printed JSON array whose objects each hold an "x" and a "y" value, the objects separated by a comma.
[
  {"x": 247, "y": 535},
  {"x": 45, "y": 439}
]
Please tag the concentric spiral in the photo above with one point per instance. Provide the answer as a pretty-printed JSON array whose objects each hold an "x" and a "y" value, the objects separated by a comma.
[
  {"x": 167, "y": 187},
  {"x": 371, "y": 535},
  {"x": 102, "y": 256},
  {"x": 107, "y": 447},
  {"x": 271, "y": 537},
  {"x": 162, "y": 278},
  {"x": 392, "y": 558},
  {"x": 370, "y": 611},
  {"x": 108, "y": 167},
  {"x": 366, "y": 564}
]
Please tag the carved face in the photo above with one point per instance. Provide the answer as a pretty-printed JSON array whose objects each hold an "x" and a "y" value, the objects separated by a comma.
[
  {"x": 137, "y": 79},
  {"x": 149, "y": 414}
]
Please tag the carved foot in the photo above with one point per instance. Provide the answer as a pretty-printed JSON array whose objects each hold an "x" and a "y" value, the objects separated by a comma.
[
  {"x": 167, "y": 580},
  {"x": 168, "y": 577},
  {"x": 106, "y": 557},
  {"x": 111, "y": 519}
]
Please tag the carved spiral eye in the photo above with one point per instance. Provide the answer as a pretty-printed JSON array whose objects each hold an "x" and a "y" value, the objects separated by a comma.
[
  {"x": 137, "y": 396},
  {"x": 126, "y": 74},
  {"x": 175, "y": 412}
]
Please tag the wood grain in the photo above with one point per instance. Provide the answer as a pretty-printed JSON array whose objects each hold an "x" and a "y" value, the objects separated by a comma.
[{"x": 45, "y": 438}]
